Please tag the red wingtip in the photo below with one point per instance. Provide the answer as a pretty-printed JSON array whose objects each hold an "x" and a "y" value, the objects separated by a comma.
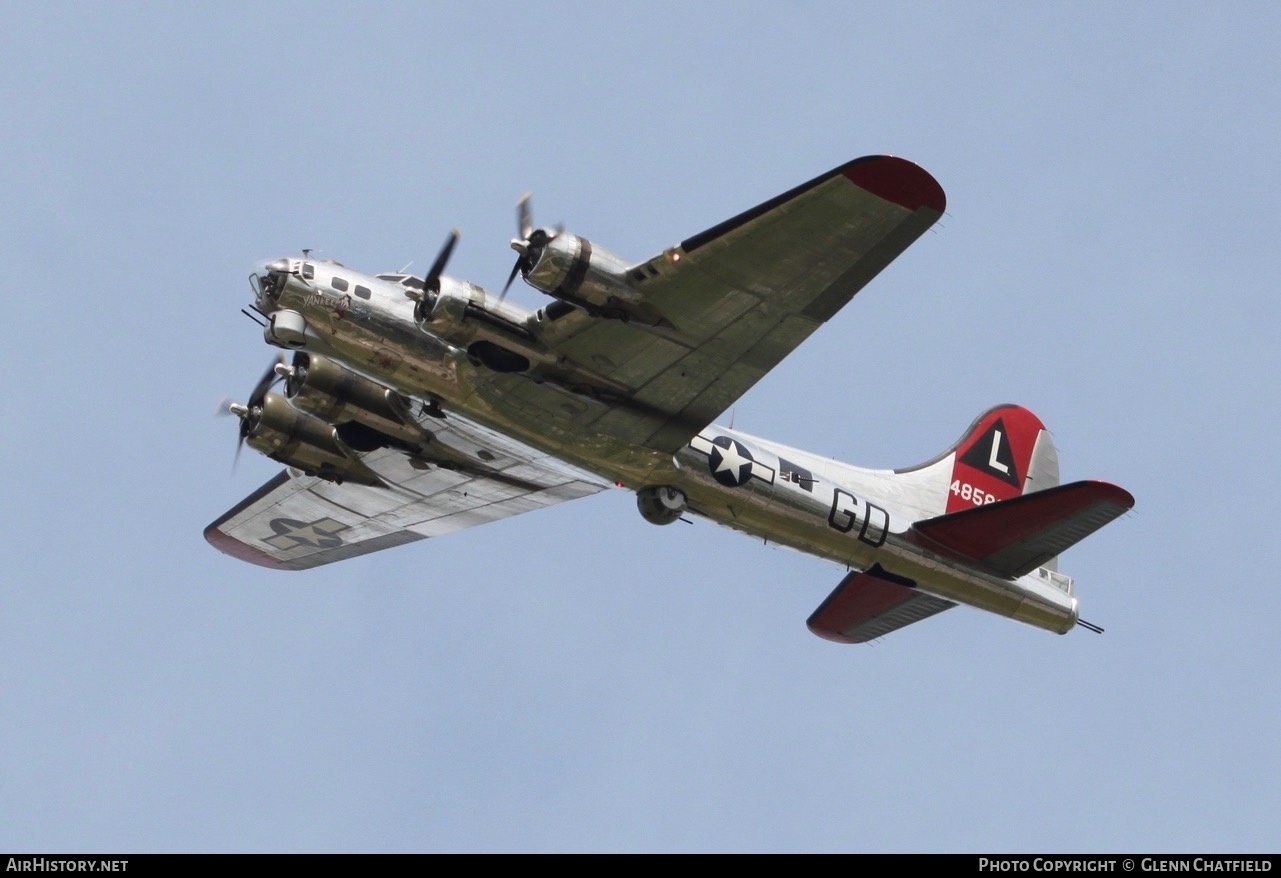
[
  {"x": 229, "y": 545},
  {"x": 897, "y": 180}
]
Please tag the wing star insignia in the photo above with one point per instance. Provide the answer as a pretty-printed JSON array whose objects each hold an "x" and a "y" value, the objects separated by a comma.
[{"x": 319, "y": 534}]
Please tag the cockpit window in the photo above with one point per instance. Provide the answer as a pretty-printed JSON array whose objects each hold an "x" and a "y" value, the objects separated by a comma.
[
  {"x": 412, "y": 283},
  {"x": 340, "y": 284},
  {"x": 394, "y": 278}
]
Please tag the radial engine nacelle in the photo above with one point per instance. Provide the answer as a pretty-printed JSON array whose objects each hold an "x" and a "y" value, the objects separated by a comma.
[
  {"x": 327, "y": 415},
  {"x": 292, "y": 437},
  {"x": 492, "y": 332},
  {"x": 335, "y": 394},
  {"x": 574, "y": 270}
]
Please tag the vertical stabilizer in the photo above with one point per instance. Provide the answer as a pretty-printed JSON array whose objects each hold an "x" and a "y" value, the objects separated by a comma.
[{"x": 1005, "y": 453}]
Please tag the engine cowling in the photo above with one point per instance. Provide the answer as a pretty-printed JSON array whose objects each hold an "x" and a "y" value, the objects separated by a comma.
[
  {"x": 285, "y": 434},
  {"x": 492, "y": 332},
  {"x": 440, "y": 310},
  {"x": 335, "y": 394},
  {"x": 661, "y": 504},
  {"x": 572, "y": 269}
]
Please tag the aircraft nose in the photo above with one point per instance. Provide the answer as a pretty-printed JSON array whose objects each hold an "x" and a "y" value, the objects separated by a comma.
[
  {"x": 269, "y": 276},
  {"x": 266, "y": 267}
]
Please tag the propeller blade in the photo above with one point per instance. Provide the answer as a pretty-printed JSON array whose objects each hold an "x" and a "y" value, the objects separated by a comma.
[
  {"x": 265, "y": 383},
  {"x": 295, "y": 374},
  {"x": 227, "y": 407},
  {"x": 511, "y": 277},
  {"x": 432, "y": 280},
  {"x": 530, "y": 243},
  {"x": 524, "y": 230},
  {"x": 524, "y": 217}
]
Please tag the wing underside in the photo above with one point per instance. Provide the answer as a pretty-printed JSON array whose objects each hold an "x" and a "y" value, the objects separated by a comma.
[
  {"x": 294, "y": 522},
  {"x": 735, "y": 300}
]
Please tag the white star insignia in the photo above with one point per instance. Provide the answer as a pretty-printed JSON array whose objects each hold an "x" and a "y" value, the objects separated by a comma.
[{"x": 732, "y": 461}]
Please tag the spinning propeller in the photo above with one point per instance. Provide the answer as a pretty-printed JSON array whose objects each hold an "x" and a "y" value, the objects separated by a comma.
[
  {"x": 424, "y": 301},
  {"x": 432, "y": 281},
  {"x": 274, "y": 373},
  {"x": 529, "y": 245}
]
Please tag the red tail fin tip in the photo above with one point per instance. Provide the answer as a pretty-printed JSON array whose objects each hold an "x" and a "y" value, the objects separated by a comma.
[{"x": 1005, "y": 453}]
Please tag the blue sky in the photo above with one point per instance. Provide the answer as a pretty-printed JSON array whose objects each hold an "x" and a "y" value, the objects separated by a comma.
[{"x": 576, "y": 679}]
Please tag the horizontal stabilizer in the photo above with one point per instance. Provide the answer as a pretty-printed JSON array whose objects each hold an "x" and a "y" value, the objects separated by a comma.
[
  {"x": 871, "y": 604},
  {"x": 1015, "y": 536}
]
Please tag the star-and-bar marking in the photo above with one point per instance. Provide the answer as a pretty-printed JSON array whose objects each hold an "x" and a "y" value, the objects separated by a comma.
[
  {"x": 730, "y": 462},
  {"x": 318, "y": 534}
]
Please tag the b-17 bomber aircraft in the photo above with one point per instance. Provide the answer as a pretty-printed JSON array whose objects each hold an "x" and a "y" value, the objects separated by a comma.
[{"x": 412, "y": 407}]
